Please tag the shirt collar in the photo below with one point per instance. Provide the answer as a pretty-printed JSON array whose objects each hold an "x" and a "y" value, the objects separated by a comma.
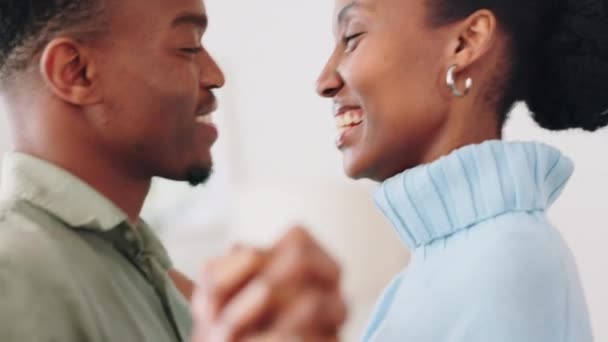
[
  {"x": 58, "y": 192},
  {"x": 470, "y": 185}
]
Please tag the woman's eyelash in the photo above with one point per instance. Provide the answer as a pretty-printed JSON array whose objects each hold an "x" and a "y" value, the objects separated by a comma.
[{"x": 347, "y": 39}]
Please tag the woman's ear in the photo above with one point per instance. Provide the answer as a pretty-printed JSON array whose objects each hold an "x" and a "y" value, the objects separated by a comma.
[{"x": 475, "y": 36}]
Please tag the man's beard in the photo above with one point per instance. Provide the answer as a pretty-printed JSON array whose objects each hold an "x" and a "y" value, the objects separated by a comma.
[{"x": 199, "y": 175}]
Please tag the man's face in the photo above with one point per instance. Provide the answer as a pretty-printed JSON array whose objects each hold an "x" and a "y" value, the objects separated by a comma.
[{"x": 157, "y": 82}]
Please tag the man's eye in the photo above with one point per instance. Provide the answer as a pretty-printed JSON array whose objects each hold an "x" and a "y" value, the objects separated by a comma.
[{"x": 193, "y": 50}]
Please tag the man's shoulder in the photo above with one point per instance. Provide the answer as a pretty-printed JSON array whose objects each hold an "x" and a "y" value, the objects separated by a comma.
[
  {"x": 38, "y": 298},
  {"x": 29, "y": 246}
]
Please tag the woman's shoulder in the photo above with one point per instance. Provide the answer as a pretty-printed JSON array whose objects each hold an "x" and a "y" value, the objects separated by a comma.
[
  {"x": 518, "y": 241},
  {"x": 520, "y": 253}
]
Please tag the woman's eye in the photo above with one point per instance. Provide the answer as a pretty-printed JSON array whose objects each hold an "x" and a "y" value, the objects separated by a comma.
[{"x": 350, "y": 41}]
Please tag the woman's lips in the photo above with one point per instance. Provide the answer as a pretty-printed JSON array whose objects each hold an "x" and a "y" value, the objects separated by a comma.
[{"x": 346, "y": 122}]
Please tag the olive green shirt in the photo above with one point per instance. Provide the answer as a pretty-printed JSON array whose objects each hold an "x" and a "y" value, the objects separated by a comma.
[{"x": 72, "y": 268}]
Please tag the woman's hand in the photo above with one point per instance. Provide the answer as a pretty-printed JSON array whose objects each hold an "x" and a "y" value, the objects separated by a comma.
[{"x": 290, "y": 292}]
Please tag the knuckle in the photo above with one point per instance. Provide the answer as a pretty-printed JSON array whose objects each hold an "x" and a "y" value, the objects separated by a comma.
[
  {"x": 299, "y": 268},
  {"x": 208, "y": 268},
  {"x": 313, "y": 305},
  {"x": 298, "y": 235},
  {"x": 288, "y": 268},
  {"x": 236, "y": 247}
]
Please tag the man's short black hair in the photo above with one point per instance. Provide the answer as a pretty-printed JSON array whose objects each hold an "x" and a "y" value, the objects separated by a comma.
[{"x": 26, "y": 26}]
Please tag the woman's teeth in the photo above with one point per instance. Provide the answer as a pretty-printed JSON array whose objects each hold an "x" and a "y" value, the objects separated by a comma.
[{"x": 350, "y": 118}]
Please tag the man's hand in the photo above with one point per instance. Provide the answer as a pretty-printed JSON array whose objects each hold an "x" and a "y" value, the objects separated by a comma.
[{"x": 288, "y": 293}]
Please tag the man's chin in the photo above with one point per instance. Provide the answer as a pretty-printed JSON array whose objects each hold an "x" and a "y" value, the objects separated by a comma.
[{"x": 198, "y": 175}]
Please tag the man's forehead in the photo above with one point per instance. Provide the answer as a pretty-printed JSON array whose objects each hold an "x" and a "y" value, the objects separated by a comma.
[
  {"x": 197, "y": 6},
  {"x": 158, "y": 12}
]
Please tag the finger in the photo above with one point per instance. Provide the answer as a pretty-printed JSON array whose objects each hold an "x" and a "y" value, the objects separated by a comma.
[
  {"x": 230, "y": 271},
  {"x": 299, "y": 259},
  {"x": 296, "y": 236},
  {"x": 238, "y": 247},
  {"x": 296, "y": 233},
  {"x": 313, "y": 310},
  {"x": 289, "y": 337},
  {"x": 199, "y": 306},
  {"x": 247, "y": 309},
  {"x": 183, "y": 284},
  {"x": 223, "y": 277}
]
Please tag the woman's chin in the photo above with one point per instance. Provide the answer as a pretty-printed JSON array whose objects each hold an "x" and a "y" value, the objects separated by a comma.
[
  {"x": 352, "y": 168},
  {"x": 357, "y": 168}
]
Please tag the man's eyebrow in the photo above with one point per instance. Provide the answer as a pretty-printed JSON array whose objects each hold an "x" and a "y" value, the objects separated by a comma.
[{"x": 195, "y": 19}]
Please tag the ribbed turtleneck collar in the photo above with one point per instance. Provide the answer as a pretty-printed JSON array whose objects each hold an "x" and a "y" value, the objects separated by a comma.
[{"x": 470, "y": 185}]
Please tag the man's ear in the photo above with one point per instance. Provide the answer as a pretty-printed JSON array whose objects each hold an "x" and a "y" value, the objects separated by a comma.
[
  {"x": 473, "y": 39},
  {"x": 70, "y": 73}
]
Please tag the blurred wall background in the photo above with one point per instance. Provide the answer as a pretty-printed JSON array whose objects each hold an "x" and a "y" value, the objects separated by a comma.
[{"x": 276, "y": 164}]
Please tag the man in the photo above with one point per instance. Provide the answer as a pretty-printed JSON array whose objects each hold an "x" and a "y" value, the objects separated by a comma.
[{"x": 103, "y": 95}]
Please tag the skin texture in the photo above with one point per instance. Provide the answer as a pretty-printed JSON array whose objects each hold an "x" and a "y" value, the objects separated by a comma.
[{"x": 389, "y": 65}]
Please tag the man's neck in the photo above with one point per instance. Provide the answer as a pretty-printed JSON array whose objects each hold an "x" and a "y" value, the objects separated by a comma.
[
  {"x": 47, "y": 128},
  {"x": 107, "y": 178}
]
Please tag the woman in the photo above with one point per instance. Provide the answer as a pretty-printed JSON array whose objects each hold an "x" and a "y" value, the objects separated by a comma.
[{"x": 422, "y": 89}]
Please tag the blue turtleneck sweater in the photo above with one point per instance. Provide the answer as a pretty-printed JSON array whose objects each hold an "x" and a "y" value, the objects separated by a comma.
[{"x": 487, "y": 265}]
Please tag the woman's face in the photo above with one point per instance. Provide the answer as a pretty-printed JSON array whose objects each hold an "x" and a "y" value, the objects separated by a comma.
[{"x": 385, "y": 77}]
